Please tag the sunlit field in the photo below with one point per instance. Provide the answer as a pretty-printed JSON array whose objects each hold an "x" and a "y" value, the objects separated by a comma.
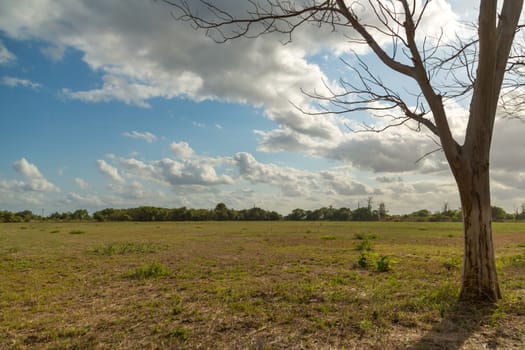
[{"x": 251, "y": 285}]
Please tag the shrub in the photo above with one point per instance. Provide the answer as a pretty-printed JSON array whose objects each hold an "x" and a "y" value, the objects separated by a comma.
[
  {"x": 152, "y": 270},
  {"x": 364, "y": 245},
  {"x": 364, "y": 260},
  {"x": 383, "y": 264},
  {"x": 362, "y": 236}
]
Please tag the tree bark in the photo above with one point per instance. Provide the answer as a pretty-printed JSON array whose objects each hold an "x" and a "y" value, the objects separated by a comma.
[{"x": 480, "y": 280}]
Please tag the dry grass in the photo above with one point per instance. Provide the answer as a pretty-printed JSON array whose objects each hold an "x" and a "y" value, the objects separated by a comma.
[{"x": 278, "y": 285}]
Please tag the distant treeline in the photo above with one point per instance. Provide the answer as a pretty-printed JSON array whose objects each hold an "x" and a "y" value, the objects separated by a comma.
[{"x": 222, "y": 213}]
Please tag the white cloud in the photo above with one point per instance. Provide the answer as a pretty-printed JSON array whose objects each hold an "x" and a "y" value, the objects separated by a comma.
[
  {"x": 83, "y": 184},
  {"x": 54, "y": 53},
  {"x": 90, "y": 200},
  {"x": 6, "y": 56},
  {"x": 15, "y": 82},
  {"x": 291, "y": 181},
  {"x": 181, "y": 150},
  {"x": 135, "y": 92},
  {"x": 342, "y": 184},
  {"x": 110, "y": 171},
  {"x": 35, "y": 180},
  {"x": 189, "y": 172},
  {"x": 188, "y": 169},
  {"x": 146, "y": 136},
  {"x": 295, "y": 182},
  {"x": 508, "y": 145}
]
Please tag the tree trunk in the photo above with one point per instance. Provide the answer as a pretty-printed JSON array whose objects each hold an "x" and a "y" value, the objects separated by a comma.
[{"x": 480, "y": 280}]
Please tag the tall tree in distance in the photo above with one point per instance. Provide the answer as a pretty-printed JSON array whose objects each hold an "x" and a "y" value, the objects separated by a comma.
[{"x": 476, "y": 68}]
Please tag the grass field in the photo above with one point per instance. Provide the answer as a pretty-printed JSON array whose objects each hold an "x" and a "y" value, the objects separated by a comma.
[{"x": 251, "y": 285}]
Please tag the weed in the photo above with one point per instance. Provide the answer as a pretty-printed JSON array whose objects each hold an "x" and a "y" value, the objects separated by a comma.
[
  {"x": 121, "y": 248},
  {"x": 179, "y": 333},
  {"x": 364, "y": 245},
  {"x": 336, "y": 281},
  {"x": 363, "y": 236},
  {"x": 54, "y": 231},
  {"x": 365, "y": 326},
  {"x": 383, "y": 264},
  {"x": 76, "y": 232},
  {"x": 365, "y": 260},
  {"x": 19, "y": 264},
  {"x": 515, "y": 260},
  {"x": 328, "y": 237},
  {"x": 152, "y": 270},
  {"x": 452, "y": 264},
  {"x": 177, "y": 310}
]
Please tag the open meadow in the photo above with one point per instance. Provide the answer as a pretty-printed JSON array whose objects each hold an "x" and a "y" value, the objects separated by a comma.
[{"x": 251, "y": 285}]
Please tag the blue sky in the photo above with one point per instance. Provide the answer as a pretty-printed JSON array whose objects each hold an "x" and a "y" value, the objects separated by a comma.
[{"x": 105, "y": 104}]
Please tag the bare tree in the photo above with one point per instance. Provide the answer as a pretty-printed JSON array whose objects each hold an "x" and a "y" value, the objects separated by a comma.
[{"x": 476, "y": 68}]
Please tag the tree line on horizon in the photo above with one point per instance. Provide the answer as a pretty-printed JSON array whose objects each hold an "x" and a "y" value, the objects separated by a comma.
[{"x": 222, "y": 213}]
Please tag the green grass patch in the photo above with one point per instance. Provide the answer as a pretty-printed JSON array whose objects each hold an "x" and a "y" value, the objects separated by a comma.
[
  {"x": 120, "y": 248},
  {"x": 152, "y": 270},
  {"x": 179, "y": 333},
  {"x": 76, "y": 232}
]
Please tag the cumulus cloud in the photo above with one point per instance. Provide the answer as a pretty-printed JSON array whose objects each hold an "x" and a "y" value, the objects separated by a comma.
[
  {"x": 6, "y": 56},
  {"x": 109, "y": 171},
  {"x": 508, "y": 145},
  {"x": 90, "y": 200},
  {"x": 297, "y": 182},
  {"x": 187, "y": 169},
  {"x": 15, "y": 82},
  {"x": 34, "y": 180},
  {"x": 54, "y": 53},
  {"x": 83, "y": 184},
  {"x": 181, "y": 150},
  {"x": 342, "y": 184},
  {"x": 146, "y": 136},
  {"x": 191, "y": 172}
]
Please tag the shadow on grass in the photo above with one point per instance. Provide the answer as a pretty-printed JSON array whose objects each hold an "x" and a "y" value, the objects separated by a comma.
[{"x": 458, "y": 325}]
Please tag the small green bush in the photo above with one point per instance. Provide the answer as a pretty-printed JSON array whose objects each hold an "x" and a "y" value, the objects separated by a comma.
[
  {"x": 152, "y": 270},
  {"x": 371, "y": 260},
  {"x": 364, "y": 245},
  {"x": 364, "y": 260},
  {"x": 362, "y": 236},
  {"x": 383, "y": 264}
]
